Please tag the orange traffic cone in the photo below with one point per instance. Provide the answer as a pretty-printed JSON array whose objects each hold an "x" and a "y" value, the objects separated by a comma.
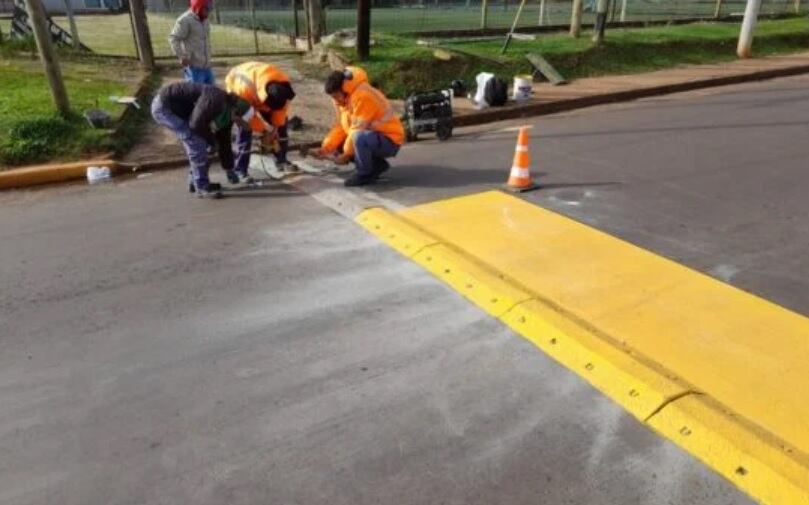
[{"x": 520, "y": 178}]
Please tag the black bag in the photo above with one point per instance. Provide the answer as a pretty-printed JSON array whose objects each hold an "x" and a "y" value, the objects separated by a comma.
[{"x": 496, "y": 92}]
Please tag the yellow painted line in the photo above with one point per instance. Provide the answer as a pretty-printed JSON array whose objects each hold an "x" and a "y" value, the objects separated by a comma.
[{"x": 720, "y": 372}]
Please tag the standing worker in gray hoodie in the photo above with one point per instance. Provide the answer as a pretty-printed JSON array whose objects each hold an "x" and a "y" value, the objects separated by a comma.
[{"x": 190, "y": 42}]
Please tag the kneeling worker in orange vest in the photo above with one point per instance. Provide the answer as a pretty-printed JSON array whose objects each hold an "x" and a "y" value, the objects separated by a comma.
[
  {"x": 268, "y": 90},
  {"x": 367, "y": 128}
]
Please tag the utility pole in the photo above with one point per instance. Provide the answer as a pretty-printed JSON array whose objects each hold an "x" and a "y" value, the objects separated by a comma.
[
  {"x": 142, "y": 36},
  {"x": 601, "y": 22},
  {"x": 74, "y": 32},
  {"x": 623, "y": 11},
  {"x": 748, "y": 25},
  {"x": 575, "y": 19},
  {"x": 484, "y": 13},
  {"x": 36, "y": 15},
  {"x": 363, "y": 29},
  {"x": 797, "y": 6}
]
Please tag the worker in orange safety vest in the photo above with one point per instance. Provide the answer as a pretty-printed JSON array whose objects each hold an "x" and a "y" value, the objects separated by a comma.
[
  {"x": 367, "y": 129},
  {"x": 268, "y": 90}
]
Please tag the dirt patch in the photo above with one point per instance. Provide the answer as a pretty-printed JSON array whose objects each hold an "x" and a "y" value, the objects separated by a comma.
[{"x": 311, "y": 104}]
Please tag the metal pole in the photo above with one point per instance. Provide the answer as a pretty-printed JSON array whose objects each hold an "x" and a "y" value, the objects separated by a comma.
[
  {"x": 601, "y": 22},
  {"x": 623, "y": 11},
  {"x": 541, "y": 12},
  {"x": 748, "y": 25},
  {"x": 484, "y": 13},
  {"x": 71, "y": 19},
  {"x": 718, "y": 10},
  {"x": 295, "y": 18},
  {"x": 253, "y": 21},
  {"x": 142, "y": 36},
  {"x": 36, "y": 15},
  {"x": 513, "y": 27},
  {"x": 308, "y": 14},
  {"x": 363, "y": 29},
  {"x": 217, "y": 17},
  {"x": 575, "y": 18}
]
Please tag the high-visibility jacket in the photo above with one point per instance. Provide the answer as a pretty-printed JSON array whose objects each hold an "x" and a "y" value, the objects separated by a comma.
[
  {"x": 339, "y": 132},
  {"x": 249, "y": 81},
  {"x": 367, "y": 109}
]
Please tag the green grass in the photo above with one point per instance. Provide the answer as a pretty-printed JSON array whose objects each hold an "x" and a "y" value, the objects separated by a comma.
[
  {"x": 112, "y": 35},
  {"x": 399, "y": 66},
  {"x": 26, "y": 96}
]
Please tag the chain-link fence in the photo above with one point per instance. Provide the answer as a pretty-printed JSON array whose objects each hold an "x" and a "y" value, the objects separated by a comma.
[
  {"x": 399, "y": 16},
  {"x": 242, "y": 27}
]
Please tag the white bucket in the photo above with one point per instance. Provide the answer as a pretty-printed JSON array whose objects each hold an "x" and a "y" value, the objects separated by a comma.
[{"x": 523, "y": 87}]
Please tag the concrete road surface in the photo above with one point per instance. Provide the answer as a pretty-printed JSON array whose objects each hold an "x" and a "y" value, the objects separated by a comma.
[{"x": 157, "y": 349}]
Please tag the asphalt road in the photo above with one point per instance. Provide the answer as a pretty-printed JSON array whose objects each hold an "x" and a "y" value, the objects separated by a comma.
[{"x": 155, "y": 348}]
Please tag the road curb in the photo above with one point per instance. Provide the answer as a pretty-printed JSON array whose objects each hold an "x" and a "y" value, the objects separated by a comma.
[
  {"x": 542, "y": 109},
  {"x": 49, "y": 174},
  {"x": 754, "y": 460}
]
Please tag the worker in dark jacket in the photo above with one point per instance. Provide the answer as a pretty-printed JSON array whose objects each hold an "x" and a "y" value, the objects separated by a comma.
[{"x": 201, "y": 116}]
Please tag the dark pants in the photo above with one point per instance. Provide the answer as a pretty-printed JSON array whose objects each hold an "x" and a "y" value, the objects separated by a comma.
[
  {"x": 196, "y": 147},
  {"x": 243, "y": 142},
  {"x": 370, "y": 150}
]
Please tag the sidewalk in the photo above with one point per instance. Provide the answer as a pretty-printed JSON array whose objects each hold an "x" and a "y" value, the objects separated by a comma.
[{"x": 608, "y": 89}]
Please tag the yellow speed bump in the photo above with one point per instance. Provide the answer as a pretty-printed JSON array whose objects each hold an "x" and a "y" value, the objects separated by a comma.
[{"x": 720, "y": 372}]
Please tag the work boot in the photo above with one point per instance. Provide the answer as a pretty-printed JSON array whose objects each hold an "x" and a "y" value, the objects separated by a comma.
[
  {"x": 244, "y": 178},
  {"x": 233, "y": 178},
  {"x": 211, "y": 190},
  {"x": 358, "y": 180},
  {"x": 287, "y": 167}
]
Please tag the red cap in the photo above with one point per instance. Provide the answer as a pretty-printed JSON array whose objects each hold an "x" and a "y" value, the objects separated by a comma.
[{"x": 200, "y": 8}]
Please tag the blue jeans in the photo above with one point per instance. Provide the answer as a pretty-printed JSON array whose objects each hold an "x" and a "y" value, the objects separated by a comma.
[
  {"x": 370, "y": 150},
  {"x": 196, "y": 147},
  {"x": 243, "y": 142},
  {"x": 200, "y": 75}
]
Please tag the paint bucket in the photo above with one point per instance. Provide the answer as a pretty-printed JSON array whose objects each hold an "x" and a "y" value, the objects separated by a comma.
[
  {"x": 523, "y": 87},
  {"x": 98, "y": 174}
]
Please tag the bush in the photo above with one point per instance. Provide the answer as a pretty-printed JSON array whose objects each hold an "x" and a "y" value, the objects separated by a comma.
[
  {"x": 33, "y": 140},
  {"x": 11, "y": 47}
]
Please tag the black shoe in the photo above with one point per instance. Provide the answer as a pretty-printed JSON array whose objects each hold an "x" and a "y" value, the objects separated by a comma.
[
  {"x": 209, "y": 194},
  {"x": 214, "y": 186},
  {"x": 380, "y": 167},
  {"x": 192, "y": 188},
  {"x": 356, "y": 180}
]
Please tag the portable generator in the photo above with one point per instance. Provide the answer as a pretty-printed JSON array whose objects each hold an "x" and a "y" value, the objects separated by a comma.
[{"x": 428, "y": 112}]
